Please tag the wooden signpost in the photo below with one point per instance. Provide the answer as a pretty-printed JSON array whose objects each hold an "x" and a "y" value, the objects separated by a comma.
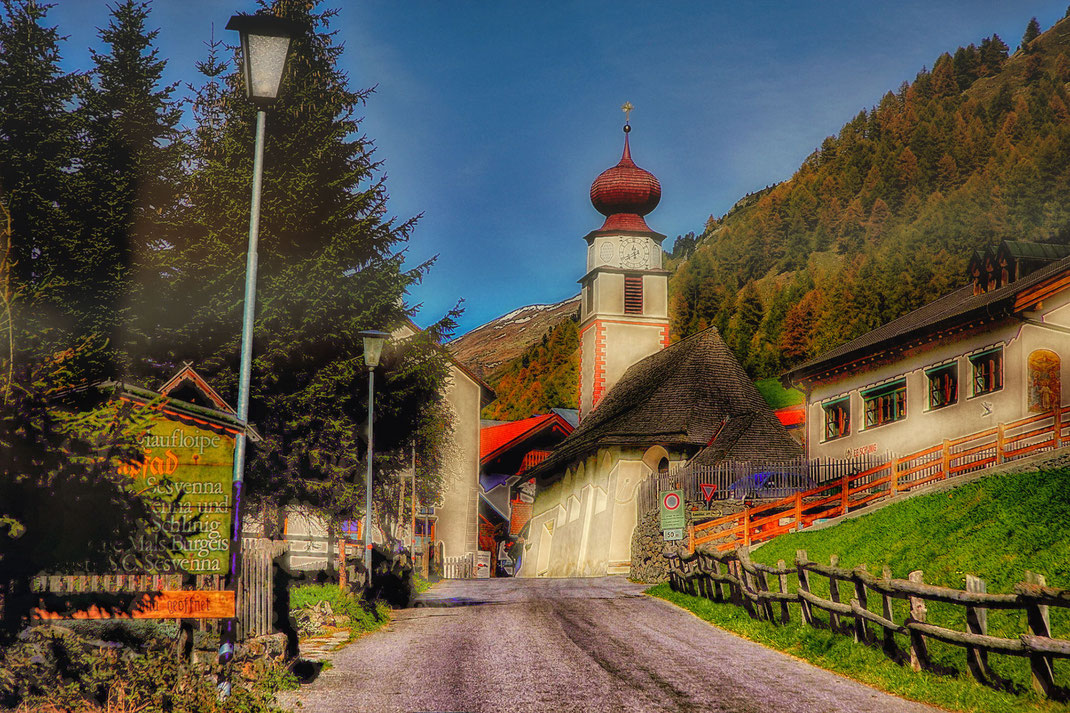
[
  {"x": 184, "y": 471},
  {"x": 180, "y": 604}
]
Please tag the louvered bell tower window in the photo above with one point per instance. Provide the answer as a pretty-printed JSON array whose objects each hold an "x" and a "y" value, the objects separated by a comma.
[{"x": 633, "y": 294}]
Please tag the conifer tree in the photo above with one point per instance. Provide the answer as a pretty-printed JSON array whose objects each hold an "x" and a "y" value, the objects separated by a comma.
[
  {"x": 1032, "y": 31},
  {"x": 993, "y": 53},
  {"x": 129, "y": 182},
  {"x": 37, "y": 158},
  {"x": 331, "y": 264}
]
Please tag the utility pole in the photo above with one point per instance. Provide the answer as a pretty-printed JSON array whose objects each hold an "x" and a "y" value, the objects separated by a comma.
[
  {"x": 412, "y": 529},
  {"x": 399, "y": 528}
]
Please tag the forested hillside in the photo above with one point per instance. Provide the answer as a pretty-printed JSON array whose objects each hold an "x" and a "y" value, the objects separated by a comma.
[
  {"x": 883, "y": 217},
  {"x": 544, "y": 376}
]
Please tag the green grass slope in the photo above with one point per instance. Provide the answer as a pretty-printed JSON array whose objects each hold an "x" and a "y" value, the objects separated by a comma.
[
  {"x": 995, "y": 528},
  {"x": 776, "y": 395}
]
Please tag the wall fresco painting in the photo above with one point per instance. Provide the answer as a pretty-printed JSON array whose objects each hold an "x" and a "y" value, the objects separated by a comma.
[{"x": 1044, "y": 381}]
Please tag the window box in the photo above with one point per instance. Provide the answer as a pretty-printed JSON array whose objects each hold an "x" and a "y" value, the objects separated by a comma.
[
  {"x": 987, "y": 368},
  {"x": 943, "y": 385},
  {"x": 885, "y": 403},
  {"x": 837, "y": 418}
]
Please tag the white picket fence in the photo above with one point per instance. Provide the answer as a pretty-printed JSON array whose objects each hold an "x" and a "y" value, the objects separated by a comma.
[{"x": 457, "y": 567}]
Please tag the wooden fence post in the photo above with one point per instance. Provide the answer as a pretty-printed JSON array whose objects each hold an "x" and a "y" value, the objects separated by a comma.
[
  {"x": 1057, "y": 425},
  {"x": 798, "y": 511},
  {"x": 945, "y": 461},
  {"x": 804, "y": 585},
  {"x": 342, "y": 562},
  {"x": 718, "y": 593},
  {"x": 977, "y": 623},
  {"x": 1037, "y": 615},
  {"x": 1000, "y": 437},
  {"x": 735, "y": 589},
  {"x": 886, "y": 612},
  {"x": 691, "y": 537},
  {"x": 834, "y": 593},
  {"x": 746, "y": 526},
  {"x": 763, "y": 586},
  {"x": 744, "y": 587},
  {"x": 783, "y": 578},
  {"x": 845, "y": 483},
  {"x": 893, "y": 481},
  {"x": 919, "y": 655},
  {"x": 861, "y": 635}
]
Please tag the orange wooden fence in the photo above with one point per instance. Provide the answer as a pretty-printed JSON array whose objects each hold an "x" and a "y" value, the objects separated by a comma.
[{"x": 954, "y": 457}]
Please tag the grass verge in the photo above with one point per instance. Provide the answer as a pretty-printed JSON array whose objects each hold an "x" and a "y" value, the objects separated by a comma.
[
  {"x": 995, "y": 528},
  {"x": 421, "y": 585},
  {"x": 840, "y": 654},
  {"x": 363, "y": 618}
]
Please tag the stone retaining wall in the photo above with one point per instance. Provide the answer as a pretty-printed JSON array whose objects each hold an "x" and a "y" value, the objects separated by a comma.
[{"x": 648, "y": 564}]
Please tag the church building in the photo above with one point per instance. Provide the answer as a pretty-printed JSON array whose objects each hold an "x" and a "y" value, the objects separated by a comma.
[{"x": 646, "y": 405}]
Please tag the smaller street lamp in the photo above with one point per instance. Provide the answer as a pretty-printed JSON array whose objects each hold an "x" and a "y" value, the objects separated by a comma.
[{"x": 373, "y": 349}]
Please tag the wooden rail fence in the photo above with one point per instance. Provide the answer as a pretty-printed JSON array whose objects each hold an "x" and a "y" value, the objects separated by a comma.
[
  {"x": 854, "y": 490},
  {"x": 734, "y": 577}
]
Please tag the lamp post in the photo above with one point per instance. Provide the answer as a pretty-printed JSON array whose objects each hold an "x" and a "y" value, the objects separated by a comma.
[
  {"x": 373, "y": 348},
  {"x": 265, "y": 43}
]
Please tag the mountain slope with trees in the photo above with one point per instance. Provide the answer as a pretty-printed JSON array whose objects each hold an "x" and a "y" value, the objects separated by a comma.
[
  {"x": 544, "y": 376},
  {"x": 884, "y": 216},
  {"x": 881, "y": 218}
]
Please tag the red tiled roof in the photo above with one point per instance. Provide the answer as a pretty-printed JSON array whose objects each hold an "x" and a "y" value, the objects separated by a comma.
[
  {"x": 521, "y": 513},
  {"x": 791, "y": 415},
  {"x": 495, "y": 439}
]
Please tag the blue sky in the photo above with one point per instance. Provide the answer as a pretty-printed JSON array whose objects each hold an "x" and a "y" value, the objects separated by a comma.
[{"x": 493, "y": 118}]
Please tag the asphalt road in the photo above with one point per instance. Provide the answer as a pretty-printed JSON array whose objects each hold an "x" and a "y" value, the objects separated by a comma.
[{"x": 558, "y": 645}]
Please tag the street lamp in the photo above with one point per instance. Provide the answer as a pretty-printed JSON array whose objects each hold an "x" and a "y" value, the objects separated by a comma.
[
  {"x": 265, "y": 42},
  {"x": 373, "y": 349}
]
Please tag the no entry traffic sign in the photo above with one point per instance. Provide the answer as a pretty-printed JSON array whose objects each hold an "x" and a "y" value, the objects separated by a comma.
[{"x": 672, "y": 510}]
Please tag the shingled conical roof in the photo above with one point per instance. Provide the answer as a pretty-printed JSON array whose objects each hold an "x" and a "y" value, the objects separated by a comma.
[{"x": 682, "y": 395}]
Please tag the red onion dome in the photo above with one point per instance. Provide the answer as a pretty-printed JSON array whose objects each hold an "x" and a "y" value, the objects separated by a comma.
[{"x": 625, "y": 193}]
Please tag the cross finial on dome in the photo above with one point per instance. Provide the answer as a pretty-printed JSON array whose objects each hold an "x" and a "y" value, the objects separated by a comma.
[{"x": 627, "y": 108}]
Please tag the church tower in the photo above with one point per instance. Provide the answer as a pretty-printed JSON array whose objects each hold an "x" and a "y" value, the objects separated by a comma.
[{"x": 624, "y": 299}]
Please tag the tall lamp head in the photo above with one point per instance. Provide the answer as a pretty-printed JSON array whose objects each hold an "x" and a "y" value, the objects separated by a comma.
[
  {"x": 265, "y": 43},
  {"x": 373, "y": 346}
]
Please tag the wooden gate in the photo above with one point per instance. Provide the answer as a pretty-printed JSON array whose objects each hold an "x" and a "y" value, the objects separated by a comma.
[{"x": 256, "y": 586}]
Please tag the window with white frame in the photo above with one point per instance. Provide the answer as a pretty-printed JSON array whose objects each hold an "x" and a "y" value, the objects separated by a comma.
[
  {"x": 943, "y": 385},
  {"x": 987, "y": 368},
  {"x": 885, "y": 403}
]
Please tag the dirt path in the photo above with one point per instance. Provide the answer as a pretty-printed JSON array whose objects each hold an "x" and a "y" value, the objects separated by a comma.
[{"x": 572, "y": 645}]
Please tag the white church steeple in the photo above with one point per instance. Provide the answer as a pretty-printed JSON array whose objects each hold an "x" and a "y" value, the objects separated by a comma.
[{"x": 624, "y": 300}]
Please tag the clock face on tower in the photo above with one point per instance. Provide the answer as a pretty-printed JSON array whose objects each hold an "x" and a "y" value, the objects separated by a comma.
[{"x": 634, "y": 253}]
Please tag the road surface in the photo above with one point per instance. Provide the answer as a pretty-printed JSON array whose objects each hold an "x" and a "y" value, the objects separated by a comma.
[{"x": 505, "y": 645}]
